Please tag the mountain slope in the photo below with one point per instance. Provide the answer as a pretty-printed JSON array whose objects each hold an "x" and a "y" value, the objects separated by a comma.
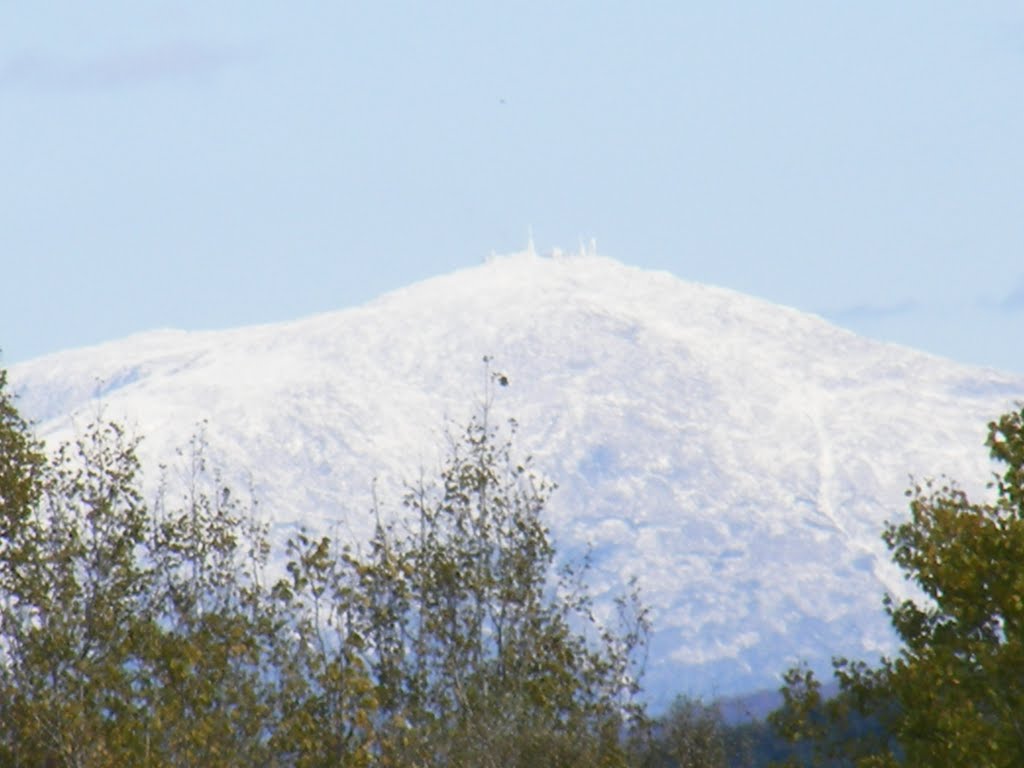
[{"x": 738, "y": 457}]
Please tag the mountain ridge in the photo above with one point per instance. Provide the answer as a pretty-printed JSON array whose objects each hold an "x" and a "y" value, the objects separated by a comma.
[{"x": 739, "y": 458}]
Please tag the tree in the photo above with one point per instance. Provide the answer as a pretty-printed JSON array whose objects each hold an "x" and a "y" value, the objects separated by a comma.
[
  {"x": 69, "y": 584},
  {"x": 479, "y": 652},
  {"x": 129, "y": 635},
  {"x": 146, "y": 634},
  {"x": 691, "y": 734},
  {"x": 954, "y": 695}
]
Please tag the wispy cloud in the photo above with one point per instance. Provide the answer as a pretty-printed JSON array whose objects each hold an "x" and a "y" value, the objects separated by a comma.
[
  {"x": 1014, "y": 300},
  {"x": 869, "y": 311},
  {"x": 1010, "y": 301},
  {"x": 117, "y": 69}
]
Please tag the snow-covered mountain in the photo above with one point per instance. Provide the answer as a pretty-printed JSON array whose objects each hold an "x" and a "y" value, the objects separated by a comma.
[{"x": 738, "y": 457}]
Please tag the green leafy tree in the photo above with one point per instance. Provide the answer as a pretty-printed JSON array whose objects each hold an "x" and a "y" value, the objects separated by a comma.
[
  {"x": 954, "y": 695},
  {"x": 479, "y": 653},
  {"x": 130, "y": 635},
  {"x": 70, "y": 583},
  {"x": 216, "y": 637},
  {"x": 691, "y": 734},
  {"x": 330, "y": 701},
  {"x": 147, "y": 635}
]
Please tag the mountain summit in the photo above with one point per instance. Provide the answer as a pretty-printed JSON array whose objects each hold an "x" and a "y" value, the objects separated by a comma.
[{"x": 737, "y": 457}]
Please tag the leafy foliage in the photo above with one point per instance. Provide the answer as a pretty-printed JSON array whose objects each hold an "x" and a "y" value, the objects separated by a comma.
[
  {"x": 129, "y": 635},
  {"x": 690, "y": 734},
  {"x": 137, "y": 634},
  {"x": 476, "y": 657},
  {"x": 955, "y": 693}
]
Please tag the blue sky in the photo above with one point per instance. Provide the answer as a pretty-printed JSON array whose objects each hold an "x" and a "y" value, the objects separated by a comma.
[{"x": 207, "y": 165}]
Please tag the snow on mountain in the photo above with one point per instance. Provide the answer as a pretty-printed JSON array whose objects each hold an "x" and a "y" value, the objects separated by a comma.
[{"x": 738, "y": 457}]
